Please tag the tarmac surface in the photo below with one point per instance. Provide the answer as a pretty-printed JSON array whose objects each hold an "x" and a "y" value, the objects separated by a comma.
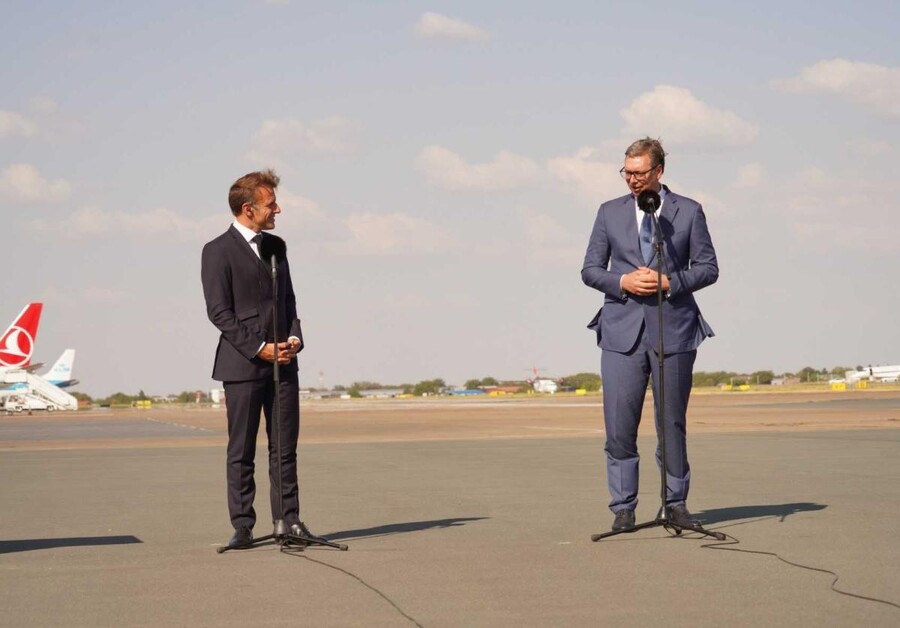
[{"x": 457, "y": 513}]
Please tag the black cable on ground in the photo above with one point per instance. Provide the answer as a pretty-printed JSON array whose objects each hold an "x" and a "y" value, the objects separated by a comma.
[
  {"x": 735, "y": 541},
  {"x": 299, "y": 554}
]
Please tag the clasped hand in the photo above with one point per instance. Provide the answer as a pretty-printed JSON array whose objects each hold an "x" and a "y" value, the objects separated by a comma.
[
  {"x": 642, "y": 282},
  {"x": 285, "y": 351}
]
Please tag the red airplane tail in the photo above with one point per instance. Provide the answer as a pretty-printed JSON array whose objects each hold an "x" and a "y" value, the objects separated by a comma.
[{"x": 17, "y": 342}]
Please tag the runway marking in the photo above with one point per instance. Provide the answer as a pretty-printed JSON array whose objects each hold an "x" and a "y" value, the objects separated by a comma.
[
  {"x": 385, "y": 405},
  {"x": 562, "y": 429},
  {"x": 190, "y": 427}
]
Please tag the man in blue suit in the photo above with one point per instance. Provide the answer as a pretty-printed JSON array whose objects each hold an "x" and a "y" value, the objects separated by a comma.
[
  {"x": 620, "y": 263},
  {"x": 237, "y": 285}
]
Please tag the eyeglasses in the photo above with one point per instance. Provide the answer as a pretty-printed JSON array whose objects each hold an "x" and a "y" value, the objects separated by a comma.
[{"x": 637, "y": 175}]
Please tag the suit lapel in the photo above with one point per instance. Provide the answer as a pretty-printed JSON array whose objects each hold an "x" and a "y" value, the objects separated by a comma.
[
  {"x": 669, "y": 209},
  {"x": 244, "y": 246}
]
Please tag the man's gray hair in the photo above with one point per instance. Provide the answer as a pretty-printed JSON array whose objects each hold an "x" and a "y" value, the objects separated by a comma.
[{"x": 648, "y": 146}]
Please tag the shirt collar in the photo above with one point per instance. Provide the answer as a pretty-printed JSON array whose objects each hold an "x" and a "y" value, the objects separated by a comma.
[{"x": 247, "y": 233}]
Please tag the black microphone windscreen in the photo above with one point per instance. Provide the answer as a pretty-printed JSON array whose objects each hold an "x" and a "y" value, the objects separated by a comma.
[
  {"x": 272, "y": 245},
  {"x": 648, "y": 201}
]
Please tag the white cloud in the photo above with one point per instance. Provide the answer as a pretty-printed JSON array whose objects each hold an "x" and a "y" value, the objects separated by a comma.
[
  {"x": 23, "y": 183},
  {"x": 359, "y": 234},
  {"x": 450, "y": 171},
  {"x": 14, "y": 124},
  {"x": 302, "y": 221},
  {"x": 874, "y": 86},
  {"x": 296, "y": 205},
  {"x": 678, "y": 117},
  {"x": 712, "y": 202},
  {"x": 582, "y": 173},
  {"x": 43, "y": 121},
  {"x": 749, "y": 176},
  {"x": 388, "y": 234},
  {"x": 543, "y": 229},
  {"x": 550, "y": 242},
  {"x": 313, "y": 225},
  {"x": 833, "y": 214},
  {"x": 91, "y": 222},
  {"x": 436, "y": 26},
  {"x": 279, "y": 139}
]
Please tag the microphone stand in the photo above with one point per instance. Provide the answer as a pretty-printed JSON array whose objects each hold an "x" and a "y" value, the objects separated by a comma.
[
  {"x": 662, "y": 515},
  {"x": 286, "y": 540}
]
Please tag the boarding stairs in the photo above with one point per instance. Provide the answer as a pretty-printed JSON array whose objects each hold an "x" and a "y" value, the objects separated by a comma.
[{"x": 39, "y": 388}]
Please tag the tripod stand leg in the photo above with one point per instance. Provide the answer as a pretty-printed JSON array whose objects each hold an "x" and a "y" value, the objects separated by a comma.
[
  {"x": 662, "y": 521},
  {"x": 639, "y": 526},
  {"x": 698, "y": 529},
  {"x": 224, "y": 548},
  {"x": 298, "y": 543}
]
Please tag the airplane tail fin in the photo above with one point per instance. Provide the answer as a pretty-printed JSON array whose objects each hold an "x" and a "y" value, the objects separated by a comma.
[
  {"x": 61, "y": 371},
  {"x": 17, "y": 342}
]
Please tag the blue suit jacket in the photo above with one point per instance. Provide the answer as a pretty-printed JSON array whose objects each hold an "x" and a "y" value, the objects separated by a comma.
[
  {"x": 237, "y": 286},
  {"x": 690, "y": 263}
]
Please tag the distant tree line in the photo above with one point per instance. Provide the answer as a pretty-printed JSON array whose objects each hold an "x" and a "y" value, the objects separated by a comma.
[
  {"x": 806, "y": 374},
  {"x": 581, "y": 381},
  {"x": 125, "y": 399},
  {"x": 472, "y": 384},
  {"x": 426, "y": 387},
  {"x": 586, "y": 381}
]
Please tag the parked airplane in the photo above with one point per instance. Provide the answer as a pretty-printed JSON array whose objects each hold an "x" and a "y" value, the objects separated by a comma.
[
  {"x": 60, "y": 374},
  {"x": 17, "y": 342},
  {"x": 542, "y": 384},
  {"x": 875, "y": 374},
  {"x": 20, "y": 388}
]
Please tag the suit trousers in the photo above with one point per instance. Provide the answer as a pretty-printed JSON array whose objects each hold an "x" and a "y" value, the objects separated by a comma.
[
  {"x": 244, "y": 402},
  {"x": 625, "y": 377}
]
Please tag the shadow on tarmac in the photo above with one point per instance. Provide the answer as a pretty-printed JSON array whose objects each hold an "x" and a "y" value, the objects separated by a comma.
[
  {"x": 27, "y": 545},
  {"x": 782, "y": 511},
  {"x": 398, "y": 528}
]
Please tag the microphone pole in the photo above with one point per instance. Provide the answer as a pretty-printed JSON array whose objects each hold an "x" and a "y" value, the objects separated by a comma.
[
  {"x": 652, "y": 202},
  {"x": 280, "y": 527}
]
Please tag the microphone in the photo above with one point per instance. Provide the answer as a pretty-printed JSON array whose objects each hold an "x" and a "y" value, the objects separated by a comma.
[
  {"x": 272, "y": 249},
  {"x": 648, "y": 201}
]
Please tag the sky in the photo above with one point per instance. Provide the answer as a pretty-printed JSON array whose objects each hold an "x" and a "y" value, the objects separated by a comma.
[{"x": 442, "y": 164}]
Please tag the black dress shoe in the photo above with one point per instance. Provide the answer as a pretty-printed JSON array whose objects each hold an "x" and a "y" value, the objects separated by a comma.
[
  {"x": 300, "y": 529},
  {"x": 680, "y": 516},
  {"x": 241, "y": 539},
  {"x": 624, "y": 520}
]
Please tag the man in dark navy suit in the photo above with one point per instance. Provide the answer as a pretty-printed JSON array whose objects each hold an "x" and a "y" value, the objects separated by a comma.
[
  {"x": 619, "y": 263},
  {"x": 237, "y": 285}
]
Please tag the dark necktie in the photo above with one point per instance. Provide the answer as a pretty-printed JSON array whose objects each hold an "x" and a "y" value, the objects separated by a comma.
[
  {"x": 257, "y": 240},
  {"x": 647, "y": 238}
]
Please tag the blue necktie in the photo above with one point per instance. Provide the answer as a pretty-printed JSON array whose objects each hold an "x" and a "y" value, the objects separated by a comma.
[{"x": 647, "y": 238}]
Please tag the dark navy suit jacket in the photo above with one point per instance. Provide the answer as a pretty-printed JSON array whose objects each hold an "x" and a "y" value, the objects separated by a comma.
[
  {"x": 690, "y": 263},
  {"x": 237, "y": 286}
]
